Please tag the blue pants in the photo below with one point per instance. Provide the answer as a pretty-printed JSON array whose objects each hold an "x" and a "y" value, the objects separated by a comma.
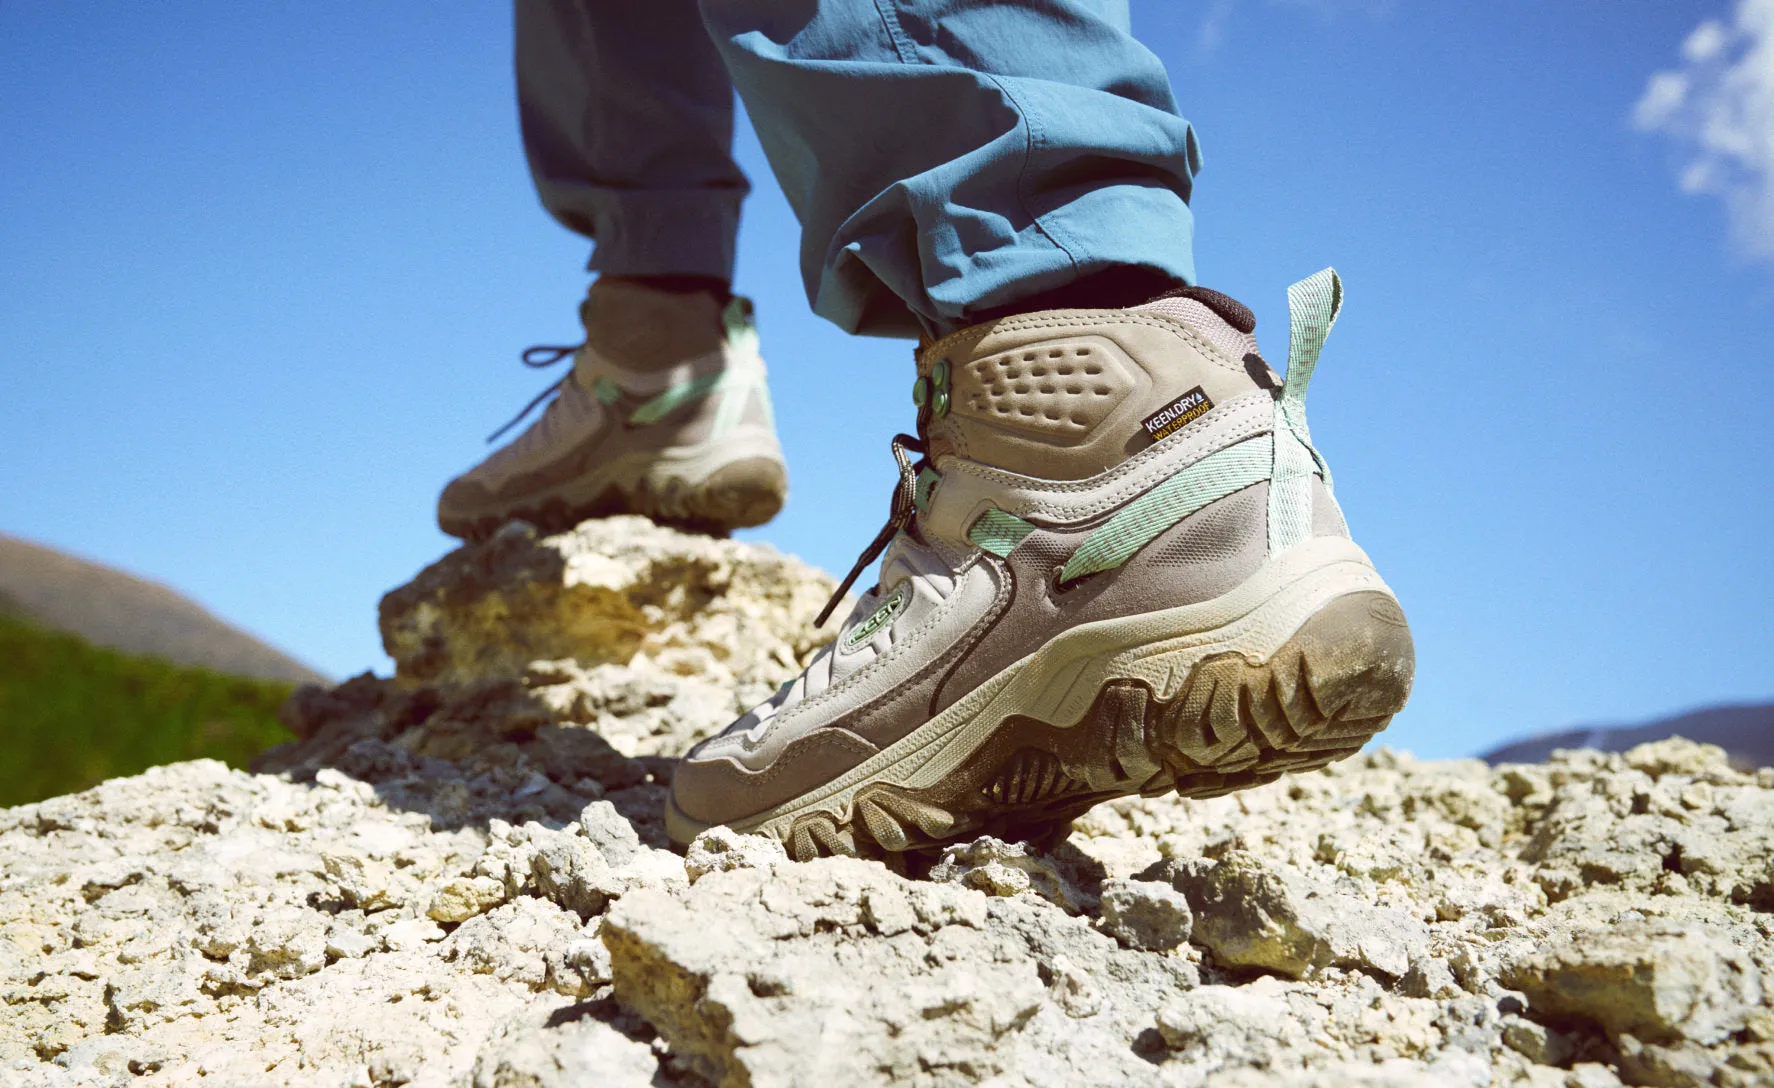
[{"x": 945, "y": 158}]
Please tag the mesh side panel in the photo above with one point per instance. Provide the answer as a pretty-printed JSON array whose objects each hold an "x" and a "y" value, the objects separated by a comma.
[
  {"x": 758, "y": 412},
  {"x": 1327, "y": 516},
  {"x": 1216, "y": 533},
  {"x": 1045, "y": 551}
]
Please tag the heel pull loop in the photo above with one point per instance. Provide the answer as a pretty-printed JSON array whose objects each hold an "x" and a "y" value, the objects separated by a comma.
[
  {"x": 1312, "y": 308},
  {"x": 739, "y": 324}
]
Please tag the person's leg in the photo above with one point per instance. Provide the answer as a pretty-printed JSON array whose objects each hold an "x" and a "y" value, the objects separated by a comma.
[
  {"x": 1116, "y": 566},
  {"x": 950, "y": 157},
  {"x": 627, "y": 120}
]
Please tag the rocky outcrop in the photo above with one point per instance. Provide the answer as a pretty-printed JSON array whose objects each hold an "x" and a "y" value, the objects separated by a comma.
[{"x": 456, "y": 876}]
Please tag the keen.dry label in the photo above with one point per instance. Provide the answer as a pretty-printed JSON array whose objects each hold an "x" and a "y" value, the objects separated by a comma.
[{"x": 1178, "y": 414}]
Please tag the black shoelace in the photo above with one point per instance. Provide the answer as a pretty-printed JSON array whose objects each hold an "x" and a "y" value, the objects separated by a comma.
[
  {"x": 539, "y": 357},
  {"x": 904, "y": 507}
]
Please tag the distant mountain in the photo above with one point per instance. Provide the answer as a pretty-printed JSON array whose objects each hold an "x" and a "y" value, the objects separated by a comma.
[
  {"x": 110, "y": 608},
  {"x": 1744, "y": 731}
]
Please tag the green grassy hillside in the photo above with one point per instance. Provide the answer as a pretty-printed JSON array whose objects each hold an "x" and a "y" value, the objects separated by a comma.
[
  {"x": 73, "y": 714},
  {"x": 122, "y": 611}
]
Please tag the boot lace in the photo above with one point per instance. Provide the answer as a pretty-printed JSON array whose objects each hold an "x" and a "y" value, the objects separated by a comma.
[
  {"x": 539, "y": 357},
  {"x": 903, "y": 508}
]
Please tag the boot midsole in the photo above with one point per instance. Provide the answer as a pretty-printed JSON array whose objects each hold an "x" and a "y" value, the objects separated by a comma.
[
  {"x": 1058, "y": 682},
  {"x": 658, "y": 468}
]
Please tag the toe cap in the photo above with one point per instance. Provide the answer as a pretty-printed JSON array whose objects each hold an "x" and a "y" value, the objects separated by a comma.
[
  {"x": 710, "y": 788},
  {"x": 462, "y": 501}
]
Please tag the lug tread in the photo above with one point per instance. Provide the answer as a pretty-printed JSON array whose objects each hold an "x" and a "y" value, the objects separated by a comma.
[
  {"x": 1233, "y": 725},
  {"x": 741, "y": 495}
]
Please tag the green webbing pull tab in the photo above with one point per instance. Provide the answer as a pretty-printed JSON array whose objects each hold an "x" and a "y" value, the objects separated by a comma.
[
  {"x": 1312, "y": 308},
  {"x": 738, "y": 323}
]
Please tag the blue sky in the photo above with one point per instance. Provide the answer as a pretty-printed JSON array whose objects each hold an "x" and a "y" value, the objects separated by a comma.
[{"x": 265, "y": 271}]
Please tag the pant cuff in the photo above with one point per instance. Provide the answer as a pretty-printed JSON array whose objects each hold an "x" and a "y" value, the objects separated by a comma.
[
  {"x": 689, "y": 232},
  {"x": 870, "y": 292}
]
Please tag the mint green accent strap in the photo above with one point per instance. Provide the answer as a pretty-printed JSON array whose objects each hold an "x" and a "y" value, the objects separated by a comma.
[
  {"x": 1212, "y": 478},
  {"x": 744, "y": 381},
  {"x": 1312, "y": 308},
  {"x": 739, "y": 382},
  {"x": 736, "y": 384},
  {"x": 927, "y": 479},
  {"x": 606, "y": 391},
  {"x": 999, "y": 532},
  {"x": 677, "y": 396}
]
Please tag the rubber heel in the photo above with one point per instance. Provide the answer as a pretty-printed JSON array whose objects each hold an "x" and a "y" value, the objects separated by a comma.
[
  {"x": 1327, "y": 691},
  {"x": 739, "y": 495}
]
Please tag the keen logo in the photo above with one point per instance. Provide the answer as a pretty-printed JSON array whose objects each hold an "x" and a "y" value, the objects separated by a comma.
[
  {"x": 879, "y": 618},
  {"x": 1178, "y": 414}
]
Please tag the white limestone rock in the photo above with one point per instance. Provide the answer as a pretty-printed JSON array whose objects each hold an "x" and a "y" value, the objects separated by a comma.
[{"x": 457, "y": 876}]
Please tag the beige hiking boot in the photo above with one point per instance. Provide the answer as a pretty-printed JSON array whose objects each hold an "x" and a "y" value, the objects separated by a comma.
[
  {"x": 665, "y": 414},
  {"x": 1117, "y": 569}
]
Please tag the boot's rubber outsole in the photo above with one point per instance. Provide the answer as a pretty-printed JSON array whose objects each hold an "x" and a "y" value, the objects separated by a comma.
[
  {"x": 1234, "y": 725},
  {"x": 738, "y": 495},
  {"x": 1231, "y": 723}
]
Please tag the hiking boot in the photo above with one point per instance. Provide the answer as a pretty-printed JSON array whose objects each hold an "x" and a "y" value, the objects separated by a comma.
[
  {"x": 665, "y": 414},
  {"x": 1117, "y": 568}
]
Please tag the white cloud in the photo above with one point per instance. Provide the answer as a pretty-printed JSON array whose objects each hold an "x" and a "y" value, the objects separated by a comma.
[
  {"x": 1708, "y": 40},
  {"x": 1213, "y": 27},
  {"x": 1212, "y": 32},
  {"x": 1663, "y": 96},
  {"x": 1719, "y": 109}
]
